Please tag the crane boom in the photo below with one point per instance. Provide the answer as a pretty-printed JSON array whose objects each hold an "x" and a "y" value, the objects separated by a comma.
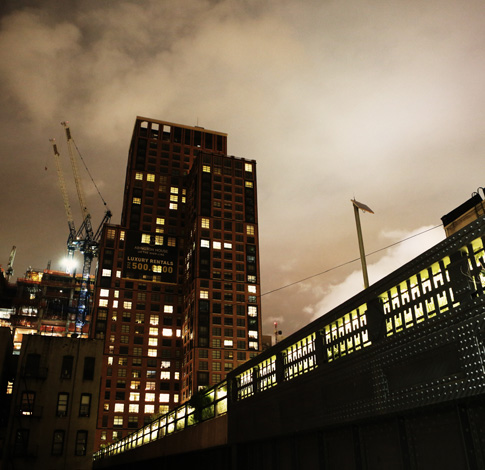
[
  {"x": 62, "y": 187},
  {"x": 75, "y": 170},
  {"x": 72, "y": 239}
]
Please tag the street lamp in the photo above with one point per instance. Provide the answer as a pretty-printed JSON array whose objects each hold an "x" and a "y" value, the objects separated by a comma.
[{"x": 358, "y": 205}]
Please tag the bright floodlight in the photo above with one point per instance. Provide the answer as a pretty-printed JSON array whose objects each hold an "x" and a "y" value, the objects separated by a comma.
[{"x": 69, "y": 263}]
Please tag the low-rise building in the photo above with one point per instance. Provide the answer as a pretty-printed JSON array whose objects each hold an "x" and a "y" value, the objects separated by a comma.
[{"x": 55, "y": 398}]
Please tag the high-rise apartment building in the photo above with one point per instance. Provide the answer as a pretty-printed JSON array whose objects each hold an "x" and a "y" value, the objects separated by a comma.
[{"x": 177, "y": 296}]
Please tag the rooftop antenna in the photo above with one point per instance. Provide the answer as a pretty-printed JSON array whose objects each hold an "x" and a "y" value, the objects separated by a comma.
[{"x": 358, "y": 205}]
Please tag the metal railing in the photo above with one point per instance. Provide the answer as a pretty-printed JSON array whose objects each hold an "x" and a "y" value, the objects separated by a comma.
[
  {"x": 447, "y": 275},
  {"x": 209, "y": 404}
]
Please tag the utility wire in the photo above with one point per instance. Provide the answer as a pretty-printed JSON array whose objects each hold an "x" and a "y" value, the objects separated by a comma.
[{"x": 350, "y": 262}]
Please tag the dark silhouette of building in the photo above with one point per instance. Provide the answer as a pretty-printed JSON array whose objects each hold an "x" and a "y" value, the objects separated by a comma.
[
  {"x": 177, "y": 296},
  {"x": 54, "y": 404}
]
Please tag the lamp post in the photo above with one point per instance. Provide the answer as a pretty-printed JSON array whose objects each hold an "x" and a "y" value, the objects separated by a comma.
[{"x": 358, "y": 205}]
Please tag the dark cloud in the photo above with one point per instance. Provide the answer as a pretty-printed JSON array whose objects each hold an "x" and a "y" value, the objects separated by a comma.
[{"x": 382, "y": 101}]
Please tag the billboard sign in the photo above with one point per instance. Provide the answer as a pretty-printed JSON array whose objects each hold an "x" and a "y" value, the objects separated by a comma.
[{"x": 145, "y": 259}]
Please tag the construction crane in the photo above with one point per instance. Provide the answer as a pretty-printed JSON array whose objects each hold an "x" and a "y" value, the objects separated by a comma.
[
  {"x": 9, "y": 271},
  {"x": 85, "y": 240}
]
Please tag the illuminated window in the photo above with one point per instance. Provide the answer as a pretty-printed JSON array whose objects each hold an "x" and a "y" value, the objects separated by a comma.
[
  {"x": 118, "y": 273},
  {"x": 152, "y": 353},
  {"x": 206, "y": 168},
  {"x": 110, "y": 360},
  {"x": 252, "y": 289},
  {"x": 168, "y": 309},
  {"x": 136, "y": 200},
  {"x": 158, "y": 240},
  {"x": 250, "y": 229},
  {"x": 253, "y": 345},
  {"x": 150, "y": 177},
  {"x": 204, "y": 294},
  {"x": 205, "y": 243},
  {"x": 103, "y": 302},
  {"x": 205, "y": 223},
  {"x": 145, "y": 238},
  {"x": 154, "y": 319},
  {"x": 253, "y": 334},
  {"x": 228, "y": 246},
  {"x": 165, "y": 365},
  {"x": 135, "y": 385},
  {"x": 160, "y": 221},
  {"x": 149, "y": 409},
  {"x": 167, "y": 332},
  {"x": 164, "y": 397},
  {"x": 248, "y": 184},
  {"x": 176, "y": 375},
  {"x": 115, "y": 304},
  {"x": 251, "y": 278},
  {"x": 165, "y": 375},
  {"x": 117, "y": 294},
  {"x": 228, "y": 343},
  {"x": 119, "y": 407},
  {"x": 134, "y": 396},
  {"x": 173, "y": 206},
  {"x": 178, "y": 333},
  {"x": 122, "y": 236},
  {"x": 171, "y": 241},
  {"x": 252, "y": 310},
  {"x": 127, "y": 305},
  {"x": 174, "y": 198},
  {"x": 106, "y": 272},
  {"x": 159, "y": 230},
  {"x": 149, "y": 397},
  {"x": 111, "y": 233},
  {"x": 150, "y": 386},
  {"x": 139, "y": 176},
  {"x": 248, "y": 167},
  {"x": 174, "y": 190},
  {"x": 118, "y": 421},
  {"x": 133, "y": 408},
  {"x": 216, "y": 245},
  {"x": 153, "y": 331}
]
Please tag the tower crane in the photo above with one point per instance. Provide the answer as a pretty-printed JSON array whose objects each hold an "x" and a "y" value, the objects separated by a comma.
[
  {"x": 85, "y": 240},
  {"x": 9, "y": 271}
]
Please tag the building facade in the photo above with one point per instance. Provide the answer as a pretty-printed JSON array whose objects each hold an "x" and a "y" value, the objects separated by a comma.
[
  {"x": 54, "y": 404},
  {"x": 177, "y": 297}
]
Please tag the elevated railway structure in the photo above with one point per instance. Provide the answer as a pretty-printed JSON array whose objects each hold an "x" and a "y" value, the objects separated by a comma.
[{"x": 392, "y": 378}]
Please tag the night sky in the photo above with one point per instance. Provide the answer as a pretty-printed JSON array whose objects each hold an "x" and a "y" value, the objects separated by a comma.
[{"x": 383, "y": 101}]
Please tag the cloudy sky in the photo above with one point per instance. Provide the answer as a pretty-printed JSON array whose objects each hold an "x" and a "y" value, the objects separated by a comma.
[{"x": 381, "y": 100}]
